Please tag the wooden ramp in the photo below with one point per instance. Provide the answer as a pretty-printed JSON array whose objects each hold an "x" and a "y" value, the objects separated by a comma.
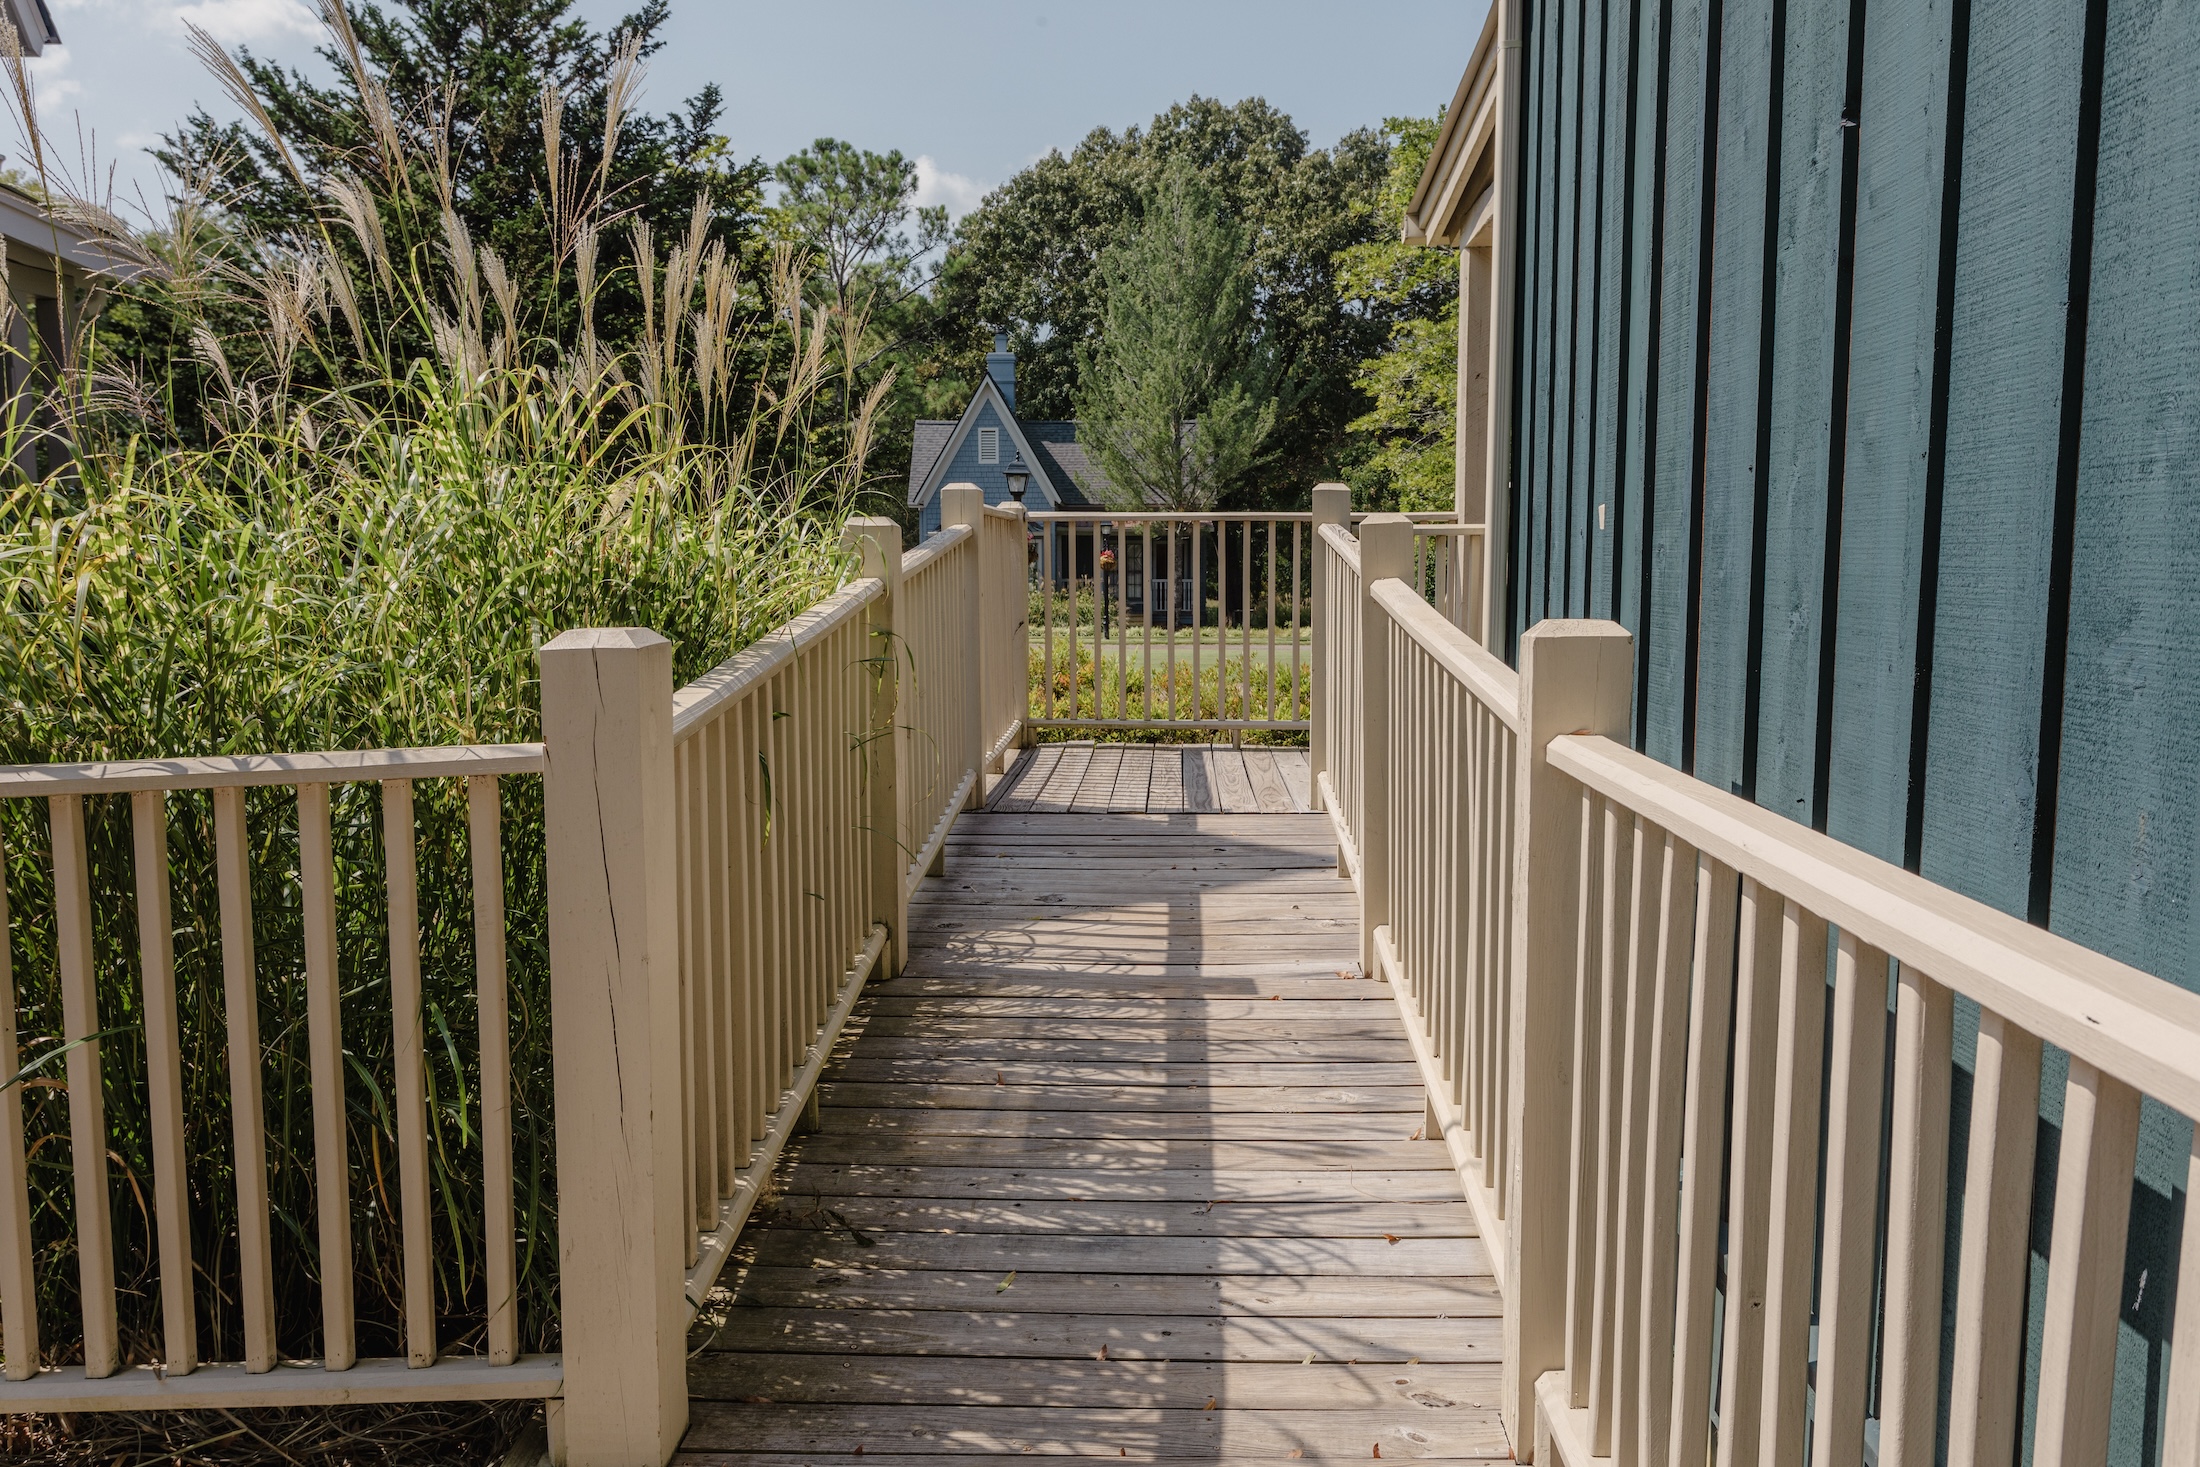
[{"x": 1125, "y": 1165}]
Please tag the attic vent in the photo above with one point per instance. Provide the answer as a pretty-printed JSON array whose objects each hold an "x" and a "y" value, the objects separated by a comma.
[{"x": 989, "y": 445}]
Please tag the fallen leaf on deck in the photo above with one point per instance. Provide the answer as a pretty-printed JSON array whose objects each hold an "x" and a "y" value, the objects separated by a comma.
[
  {"x": 1391, "y": 1238},
  {"x": 1210, "y": 1404},
  {"x": 1005, "y": 1284},
  {"x": 1309, "y": 1360},
  {"x": 1103, "y": 1353},
  {"x": 1421, "y": 1134}
]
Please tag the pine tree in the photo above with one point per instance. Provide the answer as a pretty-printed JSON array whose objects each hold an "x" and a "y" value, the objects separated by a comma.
[{"x": 1179, "y": 395}]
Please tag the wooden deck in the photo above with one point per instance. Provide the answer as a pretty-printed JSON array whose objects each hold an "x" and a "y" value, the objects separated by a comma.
[
  {"x": 1100, "y": 779},
  {"x": 1125, "y": 1165}
]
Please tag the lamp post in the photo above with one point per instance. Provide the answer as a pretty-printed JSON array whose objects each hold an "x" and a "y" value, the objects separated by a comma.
[{"x": 1018, "y": 476}]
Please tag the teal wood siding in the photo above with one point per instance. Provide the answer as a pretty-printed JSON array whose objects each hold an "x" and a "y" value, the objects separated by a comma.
[{"x": 1858, "y": 375}]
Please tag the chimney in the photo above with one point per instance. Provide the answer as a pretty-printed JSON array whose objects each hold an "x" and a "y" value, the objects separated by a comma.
[{"x": 1000, "y": 365}]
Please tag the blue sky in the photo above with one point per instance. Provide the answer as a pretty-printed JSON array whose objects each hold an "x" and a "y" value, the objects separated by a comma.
[{"x": 973, "y": 91}]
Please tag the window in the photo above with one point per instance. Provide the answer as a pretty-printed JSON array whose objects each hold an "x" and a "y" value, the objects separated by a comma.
[{"x": 989, "y": 445}]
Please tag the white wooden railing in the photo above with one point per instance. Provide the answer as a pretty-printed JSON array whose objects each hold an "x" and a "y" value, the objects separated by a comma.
[
  {"x": 727, "y": 864},
  {"x": 1621, "y": 984},
  {"x": 1193, "y": 621}
]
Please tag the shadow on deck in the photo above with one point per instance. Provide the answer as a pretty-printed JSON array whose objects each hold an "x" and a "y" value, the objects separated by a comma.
[{"x": 1126, "y": 1164}]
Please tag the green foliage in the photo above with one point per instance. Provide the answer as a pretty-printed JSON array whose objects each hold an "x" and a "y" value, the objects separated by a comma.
[
  {"x": 1238, "y": 688},
  {"x": 1177, "y": 396},
  {"x": 385, "y": 583},
  {"x": 850, "y": 208},
  {"x": 1029, "y": 261},
  {"x": 448, "y": 104},
  {"x": 847, "y": 213},
  {"x": 366, "y": 551},
  {"x": 1402, "y": 450}
]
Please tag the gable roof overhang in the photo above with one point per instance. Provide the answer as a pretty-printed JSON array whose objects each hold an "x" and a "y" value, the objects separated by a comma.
[
  {"x": 988, "y": 391},
  {"x": 1451, "y": 200}
]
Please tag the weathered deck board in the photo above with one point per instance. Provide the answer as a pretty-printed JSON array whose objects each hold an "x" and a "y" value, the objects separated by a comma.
[
  {"x": 1123, "y": 1165},
  {"x": 1162, "y": 779}
]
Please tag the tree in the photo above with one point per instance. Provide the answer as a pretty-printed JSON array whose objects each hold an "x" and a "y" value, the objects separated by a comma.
[
  {"x": 478, "y": 87},
  {"x": 847, "y": 213},
  {"x": 850, "y": 209},
  {"x": 1027, "y": 261},
  {"x": 1176, "y": 396},
  {"x": 1401, "y": 451}
]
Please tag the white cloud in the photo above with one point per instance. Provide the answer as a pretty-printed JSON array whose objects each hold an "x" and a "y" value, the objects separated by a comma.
[
  {"x": 50, "y": 74},
  {"x": 232, "y": 22},
  {"x": 236, "y": 21},
  {"x": 935, "y": 185}
]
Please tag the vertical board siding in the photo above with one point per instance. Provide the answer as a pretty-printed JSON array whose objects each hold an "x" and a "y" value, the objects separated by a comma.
[
  {"x": 1807, "y": 274},
  {"x": 1645, "y": 267},
  {"x": 1901, "y": 158},
  {"x": 2004, "y": 414},
  {"x": 1564, "y": 296},
  {"x": 1616, "y": 219},
  {"x": 1581, "y": 453},
  {"x": 1671, "y": 532},
  {"x": 1874, "y": 328},
  {"x": 1730, "y": 469},
  {"x": 2127, "y": 830}
]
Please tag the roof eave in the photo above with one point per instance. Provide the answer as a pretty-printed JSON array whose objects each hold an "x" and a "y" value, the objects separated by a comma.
[{"x": 1452, "y": 153}]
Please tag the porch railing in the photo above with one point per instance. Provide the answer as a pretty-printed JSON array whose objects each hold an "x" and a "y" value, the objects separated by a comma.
[
  {"x": 726, "y": 865},
  {"x": 1190, "y": 621},
  {"x": 1624, "y": 987}
]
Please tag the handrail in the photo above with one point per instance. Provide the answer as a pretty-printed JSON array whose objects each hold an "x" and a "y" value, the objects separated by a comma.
[
  {"x": 2129, "y": 1022},
  {"x": 1653, "y": 1022},
  {"x": 1342, "y": 541},
  {"x": 935, "y": 549},
  {"x": 1493, "y": 684},
  {"x": 123, "y": 776},
  {"x": 1435, "y": 517},
  {"x": 697, "y": 702}
]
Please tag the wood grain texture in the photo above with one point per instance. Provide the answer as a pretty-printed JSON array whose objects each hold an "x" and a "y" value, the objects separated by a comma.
[
  {"x": 2005, "y": 376},
  {"x": 1671, "y": 525},
  {"x": 1805, "y": 327},
  {"x": 1899, "y": 178},
  {"x": 1081, "y": 1160},
  {"x": 1731, "y": 472}
]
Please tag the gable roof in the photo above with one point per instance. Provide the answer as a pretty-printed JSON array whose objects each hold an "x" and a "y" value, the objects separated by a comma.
[
  {"x": 1071, "y": 468},
  {"x": 927, "y": 446},
  {"x": 923, "y": 486}
]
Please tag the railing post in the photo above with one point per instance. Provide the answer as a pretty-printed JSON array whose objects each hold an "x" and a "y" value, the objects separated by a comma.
[
  {"x": 1332, "y": 506},
  {"x": 1575, "y": 677},
  {"x": 964, "y": 504},
  {"x": 1386, "y": 554},
  {"x": 615, "y": 1029},
  {"x": 879, "y": 541},
  {"x": 1011, "y": 608}
]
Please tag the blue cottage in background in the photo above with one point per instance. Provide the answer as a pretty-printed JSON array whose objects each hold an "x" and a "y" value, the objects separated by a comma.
[{"x": 978, "y": 447}]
